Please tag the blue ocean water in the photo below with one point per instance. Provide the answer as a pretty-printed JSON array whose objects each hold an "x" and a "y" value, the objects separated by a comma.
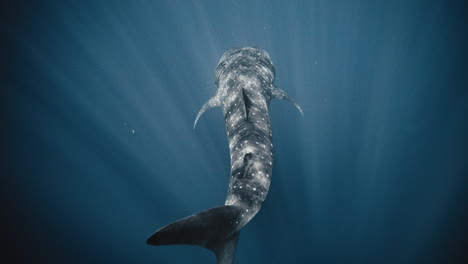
[{"x": 99, "y": 99}]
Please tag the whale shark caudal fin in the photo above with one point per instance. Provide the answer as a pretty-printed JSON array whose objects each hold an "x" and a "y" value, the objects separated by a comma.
[
  {"x": 277, "y": 93},
  {"x": 225, "y": 253},
  {"x": 215, "y": 229},
  {"x": 212, "y": 102}
]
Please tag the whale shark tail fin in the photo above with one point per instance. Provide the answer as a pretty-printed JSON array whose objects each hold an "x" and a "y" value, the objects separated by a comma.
[
  {"x": 226, "y": 250},
  {"x": 215, "y": 229},
  {"x": 212, "y": 102},
  {"x": 277, "y": 93}
]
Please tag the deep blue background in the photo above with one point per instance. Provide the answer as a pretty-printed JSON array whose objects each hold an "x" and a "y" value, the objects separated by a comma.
[{"x": 99, "y": 98}]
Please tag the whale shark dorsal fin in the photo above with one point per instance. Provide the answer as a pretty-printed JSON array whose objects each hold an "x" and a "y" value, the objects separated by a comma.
[
  {"x": 247, "y": 103},
  {"x": 212, "y": 102},
  {"x": 277, "y": 93}
]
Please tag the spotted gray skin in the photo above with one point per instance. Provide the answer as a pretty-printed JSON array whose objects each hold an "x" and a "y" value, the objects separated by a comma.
[
  {"x": 245, "y": 81},
  {"x": 244, "y": 78}
]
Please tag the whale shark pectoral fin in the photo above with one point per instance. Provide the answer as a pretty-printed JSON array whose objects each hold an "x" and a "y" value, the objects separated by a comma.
[
  {"x": 277, "y": 93},
  {"x": 210, "y": 229},
  {"x": 212, "y": 102}
]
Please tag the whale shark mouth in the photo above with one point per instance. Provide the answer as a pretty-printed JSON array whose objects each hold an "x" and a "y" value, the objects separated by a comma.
[{"x": 245, "y": 51}]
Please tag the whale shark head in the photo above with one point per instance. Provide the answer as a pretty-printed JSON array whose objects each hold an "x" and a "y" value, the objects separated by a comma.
[
  {"x": 246, "y": 60},
  {"x": 238, "y": 67}
]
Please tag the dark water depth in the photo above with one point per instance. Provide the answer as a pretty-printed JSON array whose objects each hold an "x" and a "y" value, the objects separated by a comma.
[{"x": 99, "y": 99}]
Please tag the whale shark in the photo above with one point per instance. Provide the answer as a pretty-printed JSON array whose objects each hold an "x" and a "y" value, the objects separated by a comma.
[{"x": 245, "y": 86}]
